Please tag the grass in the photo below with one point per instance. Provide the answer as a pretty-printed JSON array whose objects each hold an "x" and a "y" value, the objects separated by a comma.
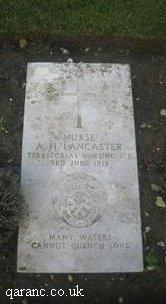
[{"x": 126, "y": 18}]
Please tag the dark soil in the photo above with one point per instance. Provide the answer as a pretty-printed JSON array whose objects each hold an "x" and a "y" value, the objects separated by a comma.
[{"x": 149, "y": 87}]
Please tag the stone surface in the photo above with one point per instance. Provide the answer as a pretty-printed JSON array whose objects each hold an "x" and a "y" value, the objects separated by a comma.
[{"x": 79, "y": 171}]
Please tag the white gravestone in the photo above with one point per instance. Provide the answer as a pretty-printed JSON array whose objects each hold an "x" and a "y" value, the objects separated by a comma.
[{"x": 79, "y": 171}]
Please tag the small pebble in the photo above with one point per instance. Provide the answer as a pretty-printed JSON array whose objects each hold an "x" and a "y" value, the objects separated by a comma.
[
  {"x": 87, "y": 49},
  {"x": 146, "y": 213},
  {"x": 143, "y": 125},
  {"x": 147, "y": 229},
  {"x": 150, "y": 268},
  {"x": 70, "y": 60},
  {"x": 70, "y": 278},
  {"x": 155, "y": 187},
  {"x": 163, "y": 112},
  {"x": 120, "y": 300},
  {"x": 64, "y": 51},
  {"x": 161, "y": 244}
]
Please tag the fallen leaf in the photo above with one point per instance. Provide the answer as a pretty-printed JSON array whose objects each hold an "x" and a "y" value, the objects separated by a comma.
[
  {"x": 23, "y": 43},
  {"x": 160, "y": 203}
]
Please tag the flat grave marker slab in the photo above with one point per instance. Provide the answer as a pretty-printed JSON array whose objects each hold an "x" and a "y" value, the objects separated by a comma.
[{"x": 79, "y": 171}]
